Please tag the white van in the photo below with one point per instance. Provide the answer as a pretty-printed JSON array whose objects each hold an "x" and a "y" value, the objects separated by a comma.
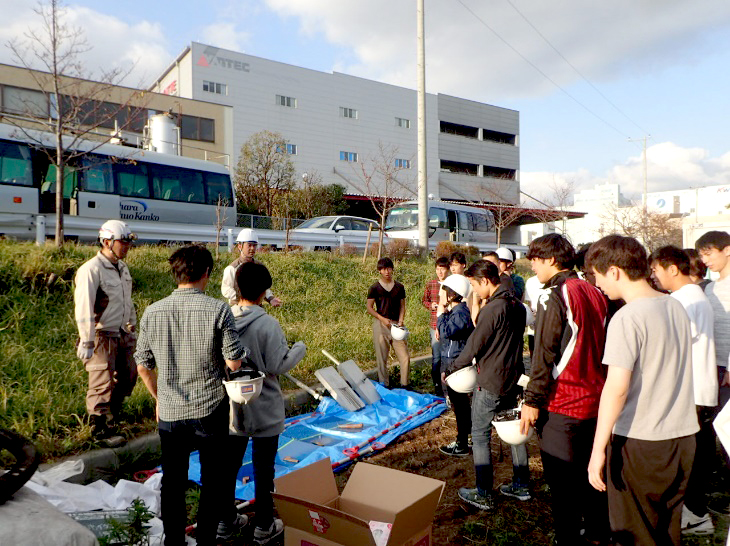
[{"x": 446, "y": 222}]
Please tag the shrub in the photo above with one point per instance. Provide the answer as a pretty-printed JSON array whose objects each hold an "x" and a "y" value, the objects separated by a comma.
[
  {"x": 399, "y": 248},
  {"x": 447, "y": 248}
]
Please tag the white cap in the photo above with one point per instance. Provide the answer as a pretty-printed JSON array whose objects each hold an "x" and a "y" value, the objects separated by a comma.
[
  {"x": 116, "y": 230},
  {"x": 247, "y": 235},
  {"x": 505, "y": 254},
  {"x": 458, "y": 283}
]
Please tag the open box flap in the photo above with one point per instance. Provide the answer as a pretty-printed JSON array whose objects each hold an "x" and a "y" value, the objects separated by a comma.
[{"x": 313, "y": 483}]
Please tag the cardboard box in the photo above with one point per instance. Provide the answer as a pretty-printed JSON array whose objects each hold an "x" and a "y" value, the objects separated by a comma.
[{"x": 316, "y": 515}]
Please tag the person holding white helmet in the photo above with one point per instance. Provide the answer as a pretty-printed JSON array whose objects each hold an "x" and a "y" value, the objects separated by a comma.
[
  {"x": 496, "y": 345},
  {"x": 455, "y": 326},
  {"x": 386, "y": 303},
  {"x": 106, "y": 321},
  {"x": 247, "y": 242}
]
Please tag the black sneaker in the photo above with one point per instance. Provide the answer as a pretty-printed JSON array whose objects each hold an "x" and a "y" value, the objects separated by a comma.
[
  {"x": 104, "y": 434},
  {"x": 264, "y": 536},
  {"x": 454, "y": 449},
  {"x": 230, "y": 529},
  {"x": 472, "y": 496}
]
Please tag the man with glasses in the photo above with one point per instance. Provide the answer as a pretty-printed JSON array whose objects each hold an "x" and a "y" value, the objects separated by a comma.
[{"x": 106, "y": 320}]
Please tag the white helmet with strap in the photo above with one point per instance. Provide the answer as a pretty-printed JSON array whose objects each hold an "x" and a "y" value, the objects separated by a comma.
[
  {"x": 247, "y": 235},
  {"x": 458, "y": 283},
  {"x": 116, "y": 230}
]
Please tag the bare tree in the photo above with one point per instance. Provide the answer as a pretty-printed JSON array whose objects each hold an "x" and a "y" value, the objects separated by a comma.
[
  {"x": 75, "y": 107},
  {"x": 654, "y": 229},
  {"x": 264, "y": 173},
  {"x": 495, "y": 198},
  {"x": 378, "y": 178},
  {"x": 221, "y": 215}
]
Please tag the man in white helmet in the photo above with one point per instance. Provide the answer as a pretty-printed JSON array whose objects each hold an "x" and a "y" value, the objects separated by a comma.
[
  {"x": 246, "y": 243},
  {"x": 106, "y": 321}
]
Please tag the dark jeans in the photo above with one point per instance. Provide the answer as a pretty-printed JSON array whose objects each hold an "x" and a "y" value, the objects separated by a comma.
[
  {"x": 178, "y": 439},
  {"x": 646, "y": 483},
  {"x": 484, "y": 405},
  {"x": 565, "y": 447},
  {"x": 461, "y": 405},
  {"x": 264, "y": 455},
  {"x": 436, "y": 364},
  {"x": 695, "y": 499}
]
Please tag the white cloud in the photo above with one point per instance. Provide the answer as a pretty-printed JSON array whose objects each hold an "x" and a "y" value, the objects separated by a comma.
[
  {"x": 139, "y": 49},
  {"x": 465, "y": 58},
  {"x": 225, "y": 35},
  {"x": 669, "y": 167}
]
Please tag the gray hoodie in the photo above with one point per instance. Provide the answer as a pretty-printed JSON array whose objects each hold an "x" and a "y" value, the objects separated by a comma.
[{"x": 264, "y": 338}]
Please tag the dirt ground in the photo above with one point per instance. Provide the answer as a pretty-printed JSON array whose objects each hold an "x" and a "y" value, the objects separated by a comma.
[{"x": 512, "y": 521}]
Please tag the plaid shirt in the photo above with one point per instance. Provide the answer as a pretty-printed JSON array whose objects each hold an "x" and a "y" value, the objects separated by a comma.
[
  {"x": 187, "y": 336},
  {"x": 431, "y": 294}
]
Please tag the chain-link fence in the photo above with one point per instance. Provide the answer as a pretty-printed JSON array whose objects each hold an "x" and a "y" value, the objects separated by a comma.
[{"x": 266, "y": 222}]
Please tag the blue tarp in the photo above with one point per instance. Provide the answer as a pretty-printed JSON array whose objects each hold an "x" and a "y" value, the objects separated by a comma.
[{"x": 324, "y": 433}]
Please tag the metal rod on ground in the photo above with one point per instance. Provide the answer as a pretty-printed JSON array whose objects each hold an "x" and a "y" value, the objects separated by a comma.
[
  {"x": 304, "y": 386},
  {"x": 332, "y": 358}
]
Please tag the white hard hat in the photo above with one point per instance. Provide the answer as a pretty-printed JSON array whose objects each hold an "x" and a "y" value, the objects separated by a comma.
[
  {"x": 463, "y": 380},
  {"x": 247, "y": 235},
  {"x": 116, "y": 230},
  {"x": 398, "y": 333},
  {"x": 507, "y": 425},
  {"x": 505, "y": 254},
  {"x": 245, "y": 389},
  {"x": 458, "y": 283}
]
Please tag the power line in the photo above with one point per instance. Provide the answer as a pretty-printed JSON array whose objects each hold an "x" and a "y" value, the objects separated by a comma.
[
  {"x": 576, "y": 70},
  {"x": 548, "y": 78}
]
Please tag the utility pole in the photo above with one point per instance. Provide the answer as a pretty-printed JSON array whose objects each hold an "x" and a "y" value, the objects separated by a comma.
[
  {"x": 422, "y": 171},
  {"x": 645, "y": 199}
]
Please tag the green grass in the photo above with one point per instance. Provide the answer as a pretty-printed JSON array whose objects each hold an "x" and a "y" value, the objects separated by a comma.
[{"x": 43, "y": 384}]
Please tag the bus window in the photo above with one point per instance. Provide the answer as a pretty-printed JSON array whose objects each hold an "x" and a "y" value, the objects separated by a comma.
[
  {"x": 218, "y": 185},
  {"x": 480, "y": 222},
  {"x": 132, "y": 179},
  {"x": 465, "y": 220},
  {"x": 96, "y": 175},
  {"x": 69, "y": 181},
  {"x": 174, "y": 184},
  {"x": 438, "y": 218},
  {"x": 15, "y": 164}
]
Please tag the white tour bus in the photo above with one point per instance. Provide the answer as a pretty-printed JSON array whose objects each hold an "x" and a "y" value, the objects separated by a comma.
[
  {"x": 142, "y": 187},
  {"x": 446, "y": 222}
]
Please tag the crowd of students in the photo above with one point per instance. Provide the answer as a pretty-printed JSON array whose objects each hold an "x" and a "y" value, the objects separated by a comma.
[{"x": 627, "y": 372}]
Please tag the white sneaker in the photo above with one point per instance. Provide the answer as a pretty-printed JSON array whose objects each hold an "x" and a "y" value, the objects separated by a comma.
[
  {"x": 696, "y": 525},
  {"x": 261, "y": 536}
]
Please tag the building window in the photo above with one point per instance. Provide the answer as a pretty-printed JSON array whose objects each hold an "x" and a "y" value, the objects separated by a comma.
[
  {"x": 403, "y": 163},
  {"x": 217, "y": 88},
  {"x": 195, "y": 128},
  {"x": 28, "y": 102},
  {"x": 291, "y": 149},
  {"x": 290, "y": 102},
  {"x": 402, "y": 122},
  {"x": 348, "y": 156},
  {"x": 348, "y": 112}
]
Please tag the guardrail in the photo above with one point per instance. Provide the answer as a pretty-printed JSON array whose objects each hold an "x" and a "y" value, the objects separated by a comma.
[{"x": 28, "y": 226}]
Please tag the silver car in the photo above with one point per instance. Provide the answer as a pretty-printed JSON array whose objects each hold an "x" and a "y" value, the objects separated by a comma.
[{"x": 352, "y": 229}]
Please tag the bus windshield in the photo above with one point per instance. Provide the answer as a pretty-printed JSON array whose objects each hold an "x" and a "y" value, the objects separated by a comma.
[{"x": 402, "y": 217}]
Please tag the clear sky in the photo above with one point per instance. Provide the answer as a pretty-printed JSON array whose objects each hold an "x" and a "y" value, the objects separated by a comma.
[{"x": 584, "y": 76}]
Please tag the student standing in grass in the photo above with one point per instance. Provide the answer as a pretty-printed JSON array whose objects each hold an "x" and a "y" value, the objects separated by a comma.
[
  {"x": 247, "y": 242},
  {"x": 431, "y": 302},
  {"x": 670, "y": 269},
  {"x": 647, "y": 416},
  {"x": 190, "y": 338},
  {"x": 386, "y": 303},
  {"x": 566, "y": 377},
  {"x": 262, "y": 419},
  {"x": 496, "y": 344},
  {"x": 455, "y": 327}
]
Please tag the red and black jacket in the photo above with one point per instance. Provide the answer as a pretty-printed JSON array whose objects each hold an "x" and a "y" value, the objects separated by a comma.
[{"x": 566, "y": 374}]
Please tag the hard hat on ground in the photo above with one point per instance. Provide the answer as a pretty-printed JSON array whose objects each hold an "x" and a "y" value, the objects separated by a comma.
[
  {"x": 458, "y": 283},
  {"x": 507, "y": 425},
  {"x": 463, "y": 380},
  {"x": 116, "y": 230},
  {"x": 247, "y": 235},
  {"x": 245, "y": 387},
  {"x": 505, "y": 254},
  {"x": 398, "y": 333}
]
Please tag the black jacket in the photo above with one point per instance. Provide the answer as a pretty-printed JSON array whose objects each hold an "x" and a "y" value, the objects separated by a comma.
[{"x": 497, "y": 344}]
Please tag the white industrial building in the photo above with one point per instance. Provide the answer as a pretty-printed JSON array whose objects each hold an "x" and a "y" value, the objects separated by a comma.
[{"x": 333, "y": 122}]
